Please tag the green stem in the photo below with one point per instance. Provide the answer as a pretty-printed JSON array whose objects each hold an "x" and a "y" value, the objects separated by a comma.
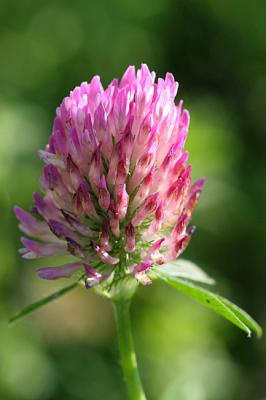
[{"x": 127, "y": 351}]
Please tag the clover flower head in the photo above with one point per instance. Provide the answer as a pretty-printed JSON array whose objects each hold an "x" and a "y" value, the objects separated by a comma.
[{"x": 117, "y": 191}]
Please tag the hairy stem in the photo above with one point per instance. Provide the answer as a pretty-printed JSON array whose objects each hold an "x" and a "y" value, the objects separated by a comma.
[{"x": 127, "y": 351}]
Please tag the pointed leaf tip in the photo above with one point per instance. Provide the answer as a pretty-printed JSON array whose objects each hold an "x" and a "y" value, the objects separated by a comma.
[
  {"x": 217, "y": 303},
  {"x": 245, "y": 317}
]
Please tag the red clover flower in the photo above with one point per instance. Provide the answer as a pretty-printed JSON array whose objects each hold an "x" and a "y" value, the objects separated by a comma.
[
  {"x": 117, "y": 193},
  {"x": 118, "y": 197}
]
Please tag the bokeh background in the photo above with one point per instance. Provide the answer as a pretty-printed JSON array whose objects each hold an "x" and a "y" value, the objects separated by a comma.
[{"x": 217, "y": 51}]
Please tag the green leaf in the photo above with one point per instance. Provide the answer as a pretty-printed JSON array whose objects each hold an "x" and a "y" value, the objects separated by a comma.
[
  {"x": 184, "y": 269},
  {"x": 215, "y": 302},
  {"x": 34, "y": 306},
  {"x": 244, "y": 316}
]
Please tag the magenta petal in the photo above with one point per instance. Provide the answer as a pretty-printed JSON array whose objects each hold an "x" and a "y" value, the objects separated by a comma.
[
  {"x": 32, "y": 226},
  {"x": 122, "y": 202},
  {"x": 45, "y": 207},
  {"x": 104, "y": 195},
  {"x": 95, "y": 170},
  {"x": 36, "y": 249},
  {"x": 64, "y": 271},
  {"x": 62, "y": 231},
  {"x": 142, "y": 267},
  {"x": 143, "y": 190},
  {"x": 74, "y": 176},
  {"x": 139, "y": 272},
  {"x": 197, "y": 186},
  {"x": 76, "y": 249},
  {"x": 104, "y": 256},
  {"x": 114, "y": 219},
  {"x": 154, "y": 248},
  {"x": 130, "y": 237},
  {"x": 104, "y": 241},
  {"x": 148, "y": 207},
  {"x": 50, "y": 158},
  {"x": 82, "y": 202},
  {"x": 93, "y": 277},
  {"x": 78, "y": 226},
  {"x": 129, "y": 76}
]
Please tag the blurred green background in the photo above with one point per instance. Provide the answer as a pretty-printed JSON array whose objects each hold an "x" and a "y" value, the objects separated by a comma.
[{"x": 217, "y": 52}]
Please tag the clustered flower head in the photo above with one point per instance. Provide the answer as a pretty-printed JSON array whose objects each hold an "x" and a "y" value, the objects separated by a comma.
[{"x": 117, "y": 191}]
